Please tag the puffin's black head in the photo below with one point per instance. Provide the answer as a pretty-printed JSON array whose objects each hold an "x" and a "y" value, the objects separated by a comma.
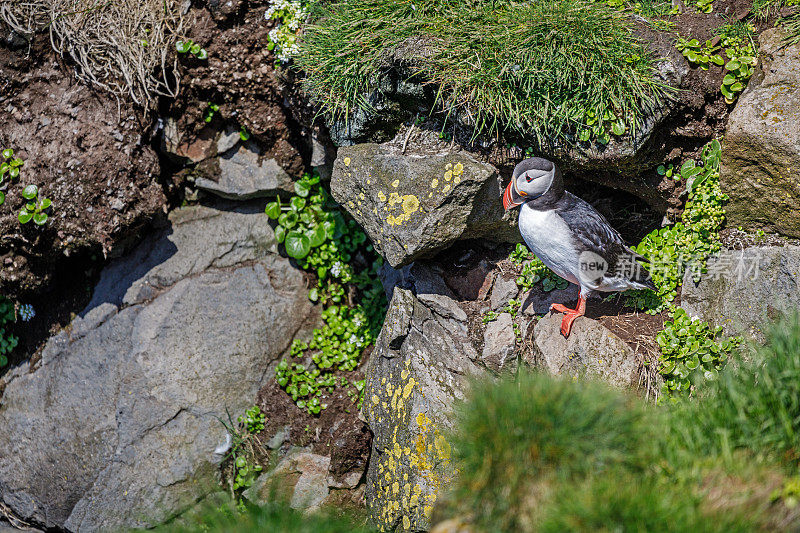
[{"x": 531, "y": 179}]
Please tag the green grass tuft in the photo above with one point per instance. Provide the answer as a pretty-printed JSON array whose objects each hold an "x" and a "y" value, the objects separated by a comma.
[
  {"x": 273, "y": 517},
  {"x": 517, "y": 439},
  {"x": 629, "y": 503},
  {"x": 541, "y": 68}
]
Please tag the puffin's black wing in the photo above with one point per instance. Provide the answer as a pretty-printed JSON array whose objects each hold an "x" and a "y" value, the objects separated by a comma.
[{"x": 592, "y": 232}]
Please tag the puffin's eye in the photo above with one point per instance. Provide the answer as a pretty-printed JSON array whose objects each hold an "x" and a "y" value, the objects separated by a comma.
[{"x": 528, "y": 179}]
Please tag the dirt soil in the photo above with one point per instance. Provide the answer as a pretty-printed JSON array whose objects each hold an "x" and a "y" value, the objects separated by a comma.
[
  {"x": 241, "y": 77},
  {"x": 336, "y": 432},
  {"x": 89, "y": 154}
]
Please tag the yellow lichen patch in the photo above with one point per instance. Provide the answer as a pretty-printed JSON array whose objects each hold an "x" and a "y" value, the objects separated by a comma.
[
  {"x": 347, "y": 161},
  {"x": 395, "y": 183},
  {"x": 375, "y": 399},
  {"x": 381, "y": 196},
  {"x": 434, "y": 183},
  {"x": 446, "y": 188},
  {"x": 457, "y": 180},
  {"x": 448, "y": 175},
  {"x": 458, "y": 169},
  {"x": 448, "y": 166}
]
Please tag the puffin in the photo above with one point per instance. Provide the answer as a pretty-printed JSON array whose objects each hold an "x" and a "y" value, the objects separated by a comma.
[{"x": 571, "y": 237}]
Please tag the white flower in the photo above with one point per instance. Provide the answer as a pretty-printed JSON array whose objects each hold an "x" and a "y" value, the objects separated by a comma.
[
  {"x": 26, "y": 312},
  {"x": 336, "y": 269}
]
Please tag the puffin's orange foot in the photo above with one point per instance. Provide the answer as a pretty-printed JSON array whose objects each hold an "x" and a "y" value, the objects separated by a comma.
[
  {"x": 566, "y": 322},
  {"x": 560, "y": 308},
  {"x": 569, "y": 314}
]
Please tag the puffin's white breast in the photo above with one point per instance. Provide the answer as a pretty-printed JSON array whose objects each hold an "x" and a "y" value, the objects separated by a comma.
[{"x": 549, "y": 237}]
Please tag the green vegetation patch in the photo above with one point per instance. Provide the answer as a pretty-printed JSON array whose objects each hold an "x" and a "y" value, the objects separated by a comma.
[
  {"x": 544, "y": 69},
  {"x": 315, "y": 232}
]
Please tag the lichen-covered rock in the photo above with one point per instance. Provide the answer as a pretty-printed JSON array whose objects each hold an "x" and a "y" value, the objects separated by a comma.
[
  {"x": 745, "y": 291},
  {"x": 761, "y": 159},
  {"x": 591, "y": 350},
  {"x": 415, "y": 204},
  {"x": 118, "y": 427},
  {"x": 422, "y": 360}
]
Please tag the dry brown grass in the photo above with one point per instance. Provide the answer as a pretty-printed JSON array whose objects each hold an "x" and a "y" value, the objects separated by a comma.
[{"x": 126, "y": 47}]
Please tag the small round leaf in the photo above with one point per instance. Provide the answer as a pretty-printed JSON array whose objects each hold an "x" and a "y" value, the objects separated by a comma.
[
  {"x": 40, "y": 218},
  {"x": 30, "y": 192},
  {"x": 297, "y": 244}
]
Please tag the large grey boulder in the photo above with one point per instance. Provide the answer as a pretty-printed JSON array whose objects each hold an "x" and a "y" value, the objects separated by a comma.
[
  {"x": 118, "y": 425},
  {"x": 760, "y": 169},
  {"x": 422, "y": 360},
  {"x": 745, "y": 291},
  {"x": 591, "y": 350},
  {"x": 245, "y": 174},
  {"x": 417, "y": 203}
]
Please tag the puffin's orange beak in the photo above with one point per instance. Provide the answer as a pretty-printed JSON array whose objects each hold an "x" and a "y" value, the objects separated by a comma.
[{"x": 510, "y": 197}]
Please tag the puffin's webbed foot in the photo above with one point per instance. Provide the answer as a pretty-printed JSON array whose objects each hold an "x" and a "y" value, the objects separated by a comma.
[{"x": 569, "y": 314}]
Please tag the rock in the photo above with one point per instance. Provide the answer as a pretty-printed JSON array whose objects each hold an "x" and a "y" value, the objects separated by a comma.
[
  {"x": 503, "y": 291},
  {"x": 419, "y": 368},
  {"x": 415, "y": 204},
  {"x": 761, "y": 155},
  {"x": 474, "y": 284},
  {"x": 183, "y": 149},
  {"x": 745, "y": 291},
  {"x": 537, "y": 301},
  {"x": 591, "y": 350},
  {"x": 243, "y": 175},
  {"x": 228, "y": 139},
  {"x": 498, "y": 344},
  {"x": 301, "y": 475},
  {"x": 117, "y": 427}
]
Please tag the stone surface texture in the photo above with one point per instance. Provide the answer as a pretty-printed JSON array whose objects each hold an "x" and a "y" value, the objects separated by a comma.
[{"x": 118, "y": 424}]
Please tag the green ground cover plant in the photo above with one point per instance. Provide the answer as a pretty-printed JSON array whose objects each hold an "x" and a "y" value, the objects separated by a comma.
[
  {"x": 545, "y": 69},
  {"x": 35, "y": 208},
  {"x": 691, "y": 351},
  {"x": 535, "y": 271},
  {"x": 315, "y": 232}
]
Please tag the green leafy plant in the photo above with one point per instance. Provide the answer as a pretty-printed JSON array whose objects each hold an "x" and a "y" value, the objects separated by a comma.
[
  {"x": 253, "y": 420},
  {"x": 210, "y": 111},
  {"x": 667, "y": 170},
  {"x": 244, "y": 134},
  {"x": 690, "y": 350},
  {"x": 188, "y": 46},
  {"x": 244, "y": 445},
  {"x": 9, "y": 165},
  {"x": 8, "y": 341},
  {"x": 315, "y": 232},
  {"x": 701, "y": 55},
  {"x": 35, "y": 208},
  {"x": 600, "y": 125},
  {"x": 742, "y": 59},
  {"x": 512, "y": 307},
  {"x": 520, "y": 254},
  {"x": 534, "y": 272},
  {"x": 704, "y": 6},
  {"x": 688, "y": 243},
  {"x": 489, "y": 316}
]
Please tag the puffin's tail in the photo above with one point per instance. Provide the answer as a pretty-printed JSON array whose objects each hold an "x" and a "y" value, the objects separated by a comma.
[{"x": 641, "y": 278}]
